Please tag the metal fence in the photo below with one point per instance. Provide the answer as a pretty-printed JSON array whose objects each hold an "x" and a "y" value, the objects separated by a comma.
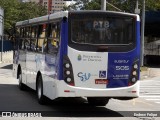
[
  {"x": 6, "y": 52},
  {"x": 7, "y": 45}
]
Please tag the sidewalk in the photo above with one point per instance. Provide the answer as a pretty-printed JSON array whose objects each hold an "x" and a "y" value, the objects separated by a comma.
[
  {"x": 6, "y": 76},
  {"x": 6, "y": 57},
  {"x": 150, "y": 73}
]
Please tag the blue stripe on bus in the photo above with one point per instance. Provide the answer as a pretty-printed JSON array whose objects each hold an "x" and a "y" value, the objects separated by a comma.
[
  {"x": 116, "y": 76},
  {"x": 118, "y": 73},
  {"x": 63, "y": 48},
  {"x": 138, "y": 45}
]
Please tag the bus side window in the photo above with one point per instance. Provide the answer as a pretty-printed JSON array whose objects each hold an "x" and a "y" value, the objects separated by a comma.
[
  {"x": 54, "y": 37},
  {"x": 27, "y": 40},
  {"x": 16, "y": 36},
  {"x": 42, "y": 40},
  {"x": 21, "y": 39},
  {"x": 33, "y": 37}
]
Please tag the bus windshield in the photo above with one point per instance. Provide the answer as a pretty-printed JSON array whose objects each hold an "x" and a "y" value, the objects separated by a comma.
[{"x": 103, "y": 30}]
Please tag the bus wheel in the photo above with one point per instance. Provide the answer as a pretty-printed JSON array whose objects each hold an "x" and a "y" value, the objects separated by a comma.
[
  {"x": 20, "y": 84},
  {"x": 40, "y": 96},
  {"x": 97, "y": 101}
]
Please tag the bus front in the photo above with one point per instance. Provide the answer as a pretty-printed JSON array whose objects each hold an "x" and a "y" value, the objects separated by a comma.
[{"x": 103, "y": 56}]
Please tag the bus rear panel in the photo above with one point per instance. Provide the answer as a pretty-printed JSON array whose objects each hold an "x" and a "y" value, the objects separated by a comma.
[{"x": 102, "y": 55}]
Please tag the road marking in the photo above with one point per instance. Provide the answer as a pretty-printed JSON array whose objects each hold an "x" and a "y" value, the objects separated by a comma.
[
  {"x": 143, "y": 102},
  {"x": 157, "y": 102},
  {"x": 152, "y": 93},
  {"x": 151, "y": 96},
  {"x": 150, "y": 86},
  {"x": 134, "y": 102},
  {"x": 145, "y": 81},
  {"x": 153, "y": 85},
  {"x": 150, "y": 90},
  {"x": 153, "y": 99}
]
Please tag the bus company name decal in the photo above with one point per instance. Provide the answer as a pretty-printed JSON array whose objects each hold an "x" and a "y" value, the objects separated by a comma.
[{"x": 91, "y": 58}]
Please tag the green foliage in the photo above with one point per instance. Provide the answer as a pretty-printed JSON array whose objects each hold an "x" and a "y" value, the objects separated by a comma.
[
  {"x": 152, "y": 4},
  {"x": 93, "y": 5},
  {"x": 10, "y": 13},
  {"x": 31, "y": 10},
  {"x": 124, "y": 5},
  {"x": 15, "y": 11}
]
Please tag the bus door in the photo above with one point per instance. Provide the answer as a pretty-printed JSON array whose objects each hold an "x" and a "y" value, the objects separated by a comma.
[
  {"x": 31, "y": 41},
  {"x": 22, "y": 53}
]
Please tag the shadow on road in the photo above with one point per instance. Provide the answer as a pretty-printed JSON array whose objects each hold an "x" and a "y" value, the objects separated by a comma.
[
  {"x": 78, "y": 107},
  {"x": 26, "y": 101},
  {"x": 7, "y": 67}
]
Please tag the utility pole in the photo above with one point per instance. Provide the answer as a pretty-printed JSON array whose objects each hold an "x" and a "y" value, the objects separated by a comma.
[
  {"x": 103, "y": 5},
  {"x": 1, "y": 29},
  {"x": 137, "y": 10},
  {"x": 142, "y": 32}
]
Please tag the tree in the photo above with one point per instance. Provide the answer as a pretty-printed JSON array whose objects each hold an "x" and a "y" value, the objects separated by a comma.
[
  {"x": 124, "y": 5},
  {"x": 10, "y": 13},
  {"x": 152, "y": 4},
  {"x": 30, "y": 10},
  {"x": 94, "y": 4},
  {"x": 15, "y": 11}
]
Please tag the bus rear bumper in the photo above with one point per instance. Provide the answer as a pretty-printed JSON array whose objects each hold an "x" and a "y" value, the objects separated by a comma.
[{"x": 64, "y": 90}]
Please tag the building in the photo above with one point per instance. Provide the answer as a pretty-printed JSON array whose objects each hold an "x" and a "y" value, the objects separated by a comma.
[
  {"x": 52, "y": 5},
  {"x": 55, "y": 5}
]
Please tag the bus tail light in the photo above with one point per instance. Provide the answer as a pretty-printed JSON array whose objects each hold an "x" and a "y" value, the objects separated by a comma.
[
  {"x": 134, "y": 73},
  {"x": 68, "y": 71},
  {"x": 67, "y": 65}
]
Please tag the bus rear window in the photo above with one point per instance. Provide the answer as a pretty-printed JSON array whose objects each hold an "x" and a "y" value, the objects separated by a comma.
[{"x": 112, "y": 30}]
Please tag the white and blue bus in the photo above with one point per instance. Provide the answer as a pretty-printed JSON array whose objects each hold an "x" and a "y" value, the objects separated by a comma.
[{"x": 91, "y": 54}]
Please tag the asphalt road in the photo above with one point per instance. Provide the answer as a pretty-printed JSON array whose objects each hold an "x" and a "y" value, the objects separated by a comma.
[{"x": 12, "y": 99}]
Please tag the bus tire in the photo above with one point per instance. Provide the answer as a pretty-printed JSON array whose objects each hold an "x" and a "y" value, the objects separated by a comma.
[
  {"x": 20, "y": 84},
  {"x": 98, "y": 101},
  {"x": 40, "y": 96}
]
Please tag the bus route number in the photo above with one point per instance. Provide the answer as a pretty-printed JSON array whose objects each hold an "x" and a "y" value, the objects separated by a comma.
[{"x": 101, "y": 24}]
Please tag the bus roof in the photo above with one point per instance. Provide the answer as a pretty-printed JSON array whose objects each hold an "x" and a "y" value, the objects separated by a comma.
[
  {"x": 44, "y": 18},
  {"x": 65, "y": 14},
  {"x": 58, "y": 15},
  {"x": 25, "y": 22},
  {"x": 39, "y": 19},
  {"x": 111, "y": 12}
]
